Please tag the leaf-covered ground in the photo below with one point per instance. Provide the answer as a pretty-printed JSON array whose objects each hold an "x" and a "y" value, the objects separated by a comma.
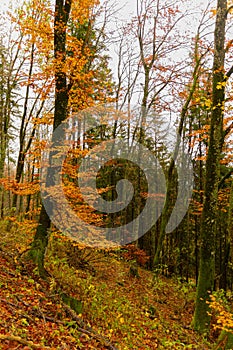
[{"x": 117, "y": 310}]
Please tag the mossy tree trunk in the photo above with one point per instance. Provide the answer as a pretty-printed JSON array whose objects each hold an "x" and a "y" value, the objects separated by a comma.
[
  {"x": 205, "y": 285},
  {"x": 62, "y": 12}
]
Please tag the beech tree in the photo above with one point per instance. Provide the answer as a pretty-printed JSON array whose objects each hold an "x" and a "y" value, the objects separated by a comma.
[
  {"x": 171, "y": 173},
  {"x": 145, "y": 74},
  {"x": 35, "y": 75},
  {"x": 61, "y": 17},
  {"x": 206, "y": 277},
  {"x": 76, "y": 85}
]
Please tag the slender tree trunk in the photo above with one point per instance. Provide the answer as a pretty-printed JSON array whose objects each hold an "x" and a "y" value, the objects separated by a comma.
[
  {"x": 22, "y": 134},
  {"x": 171, "y": 175},
  {"x": 6, "y": 95},
  {"x": 205, "y": 285}
]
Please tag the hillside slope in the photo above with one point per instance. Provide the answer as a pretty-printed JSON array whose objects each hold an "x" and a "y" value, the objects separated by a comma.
[{"x": 114, "y": 309}]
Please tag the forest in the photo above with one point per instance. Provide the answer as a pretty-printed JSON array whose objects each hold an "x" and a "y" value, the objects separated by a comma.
[{"x": 116, "y": 169}]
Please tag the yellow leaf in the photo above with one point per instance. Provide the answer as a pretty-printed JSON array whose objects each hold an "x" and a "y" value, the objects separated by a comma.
[
  {"x": 213, "y": 11},
  {"x": 221, "y": 85}
]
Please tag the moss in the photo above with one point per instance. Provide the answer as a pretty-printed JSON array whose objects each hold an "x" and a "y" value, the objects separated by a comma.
[{"x": 73, "y": 303}]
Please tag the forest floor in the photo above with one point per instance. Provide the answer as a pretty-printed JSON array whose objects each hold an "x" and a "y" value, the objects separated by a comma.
[{"x": 114, "y": 309}]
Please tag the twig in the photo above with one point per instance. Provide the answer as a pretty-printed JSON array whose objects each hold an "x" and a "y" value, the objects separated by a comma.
[
  {"x": 82, "y": 327},
  {"x": 9, "y": 272},
  {"x": 19, "y": 312},
  {"x": 22, "y": 341}
]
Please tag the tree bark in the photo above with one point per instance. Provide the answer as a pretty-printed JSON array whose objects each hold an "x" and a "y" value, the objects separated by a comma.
[
  {"x": 205, "y": 285},
  {"x": 62, "y": 12}
]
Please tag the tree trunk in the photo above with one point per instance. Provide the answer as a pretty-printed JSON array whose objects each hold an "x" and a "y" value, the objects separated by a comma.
[
  {"x": 62, "y": 12},
  {"x": 205, "y": 285},
  {"x": 172, "y": 171}
]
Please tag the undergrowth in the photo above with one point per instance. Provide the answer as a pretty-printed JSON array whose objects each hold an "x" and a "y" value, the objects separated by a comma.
[{"x": 145, "y": 312}]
